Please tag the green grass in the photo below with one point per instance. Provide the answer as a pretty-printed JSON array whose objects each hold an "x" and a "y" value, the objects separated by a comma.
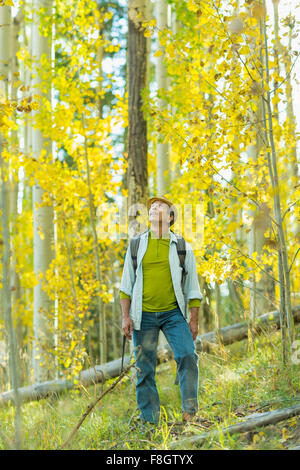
[{"x": 232, "y": 383}]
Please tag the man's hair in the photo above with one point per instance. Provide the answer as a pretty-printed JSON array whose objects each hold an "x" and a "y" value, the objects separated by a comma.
[{"x": 173, "y": 216}]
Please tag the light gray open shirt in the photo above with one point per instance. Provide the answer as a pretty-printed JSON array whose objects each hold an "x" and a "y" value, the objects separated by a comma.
[{"x": 135, "y": 289}]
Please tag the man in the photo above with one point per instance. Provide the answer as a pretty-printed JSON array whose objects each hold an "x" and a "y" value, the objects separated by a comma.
[{"x": 154, "y": 301}]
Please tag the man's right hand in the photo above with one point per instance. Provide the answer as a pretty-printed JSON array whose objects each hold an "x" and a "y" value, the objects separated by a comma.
[{"x": 127, "y": 327}]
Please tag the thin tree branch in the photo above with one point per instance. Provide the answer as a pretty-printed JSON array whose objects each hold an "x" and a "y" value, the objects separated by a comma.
[
  {"x": 289, "y": 208},
  {"x": 251, "y": 259},
  {"x": 256, "y": 291},
  {"x": 287, "y": 75},
  {"x": 294, "y": 259}
]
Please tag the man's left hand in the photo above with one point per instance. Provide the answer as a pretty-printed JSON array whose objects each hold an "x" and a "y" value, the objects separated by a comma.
[{"x": 193, "y": 324}]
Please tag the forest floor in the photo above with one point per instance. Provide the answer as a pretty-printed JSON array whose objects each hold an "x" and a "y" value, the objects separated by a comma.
[{"x": 234, "y": 382}]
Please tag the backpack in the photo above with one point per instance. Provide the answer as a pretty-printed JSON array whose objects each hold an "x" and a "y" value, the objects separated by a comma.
[{"x": 181, "y": 251}]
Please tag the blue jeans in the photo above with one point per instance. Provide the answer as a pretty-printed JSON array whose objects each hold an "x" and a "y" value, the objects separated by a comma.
[{"x": 179, "y": 337}]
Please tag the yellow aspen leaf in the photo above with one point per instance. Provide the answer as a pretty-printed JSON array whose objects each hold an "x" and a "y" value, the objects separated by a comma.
[
  {"x": 191, "y": 6},
  {"x": 67, "y": 362},
  {"x": 285, "y": 435},
  {"x": 170, "y": 49},
  {"x": 245, "y": 50},
  {"x": 293, "y": 421}
]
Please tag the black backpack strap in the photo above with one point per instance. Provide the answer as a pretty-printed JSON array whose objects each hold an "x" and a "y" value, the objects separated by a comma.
[
  {"x": 181, "y": 251},
  {"x": 134, "y": 248}
]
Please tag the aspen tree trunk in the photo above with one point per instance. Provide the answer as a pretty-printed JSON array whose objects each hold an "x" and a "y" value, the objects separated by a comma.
[
  {"x": 7, "y": 307},
  {"x": 115, "y": 320},
  {"x": 92, "y": 211},
  {"x": 163, "y": 164},
  {"x": 285, "y": 294},
  {"x": 56, "y": 305},
  {"x": 211, "y": 318},
  {"x": 26, "y": 195},
  {"x": 206, "y": 313},
  {"x": 258, "y": 301},
  {"x": 5, "y": 65},
  {"x": 114, "y": 323},
  {"x": 101, "y": 305},
  {"x": 270, "y": 284},
  {"x": 100, "y": 52},
  {"x": 137, "y": 127},
  {"x": 293, "y": 170},
  {"x": 206, "y": 316},
  {"x": 282, "y": 315},
  {"x": 102, "y": 326},
  {"x": 236, "y": 297},
  {"x": 236, "y": 218},
  {"x": 175, "y": 26},
  {"x": 42, "y": 216},
  {"x": 218, "y": 311},
  {"x": 276, "y": 50},
  {"x": 260, "y": 224},
  {"x": 16, "y": 295},
  {"x": 149, "y": 15}
]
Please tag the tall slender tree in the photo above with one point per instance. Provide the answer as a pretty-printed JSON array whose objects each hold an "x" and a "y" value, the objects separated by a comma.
[
  {"x": 5, "y": 67},
  {"x": 163, "y": 164},
  {"x": 284, "y": 269},
  {"x": 137, "y": 125},
  {"x": 42, "y": 214}
]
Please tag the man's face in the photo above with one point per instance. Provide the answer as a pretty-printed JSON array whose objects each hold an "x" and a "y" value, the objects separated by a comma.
[{"x": 159, "y": 211}]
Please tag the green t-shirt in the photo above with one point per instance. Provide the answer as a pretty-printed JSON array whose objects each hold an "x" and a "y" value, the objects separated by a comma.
[{"x": 158, "y": 291}]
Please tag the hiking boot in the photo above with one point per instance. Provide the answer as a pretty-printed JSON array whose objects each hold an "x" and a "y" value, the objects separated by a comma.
[{"x": 188, "y": 417}]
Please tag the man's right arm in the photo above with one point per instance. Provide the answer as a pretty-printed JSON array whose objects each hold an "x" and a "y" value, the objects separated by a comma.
[
  {"x": 125, "y": 294},
  {"x": 127, "y": 325}
]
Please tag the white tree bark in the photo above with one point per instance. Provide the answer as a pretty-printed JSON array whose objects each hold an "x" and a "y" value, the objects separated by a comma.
[
  {"x": 163, "y": 165},
  {"x": 175, "y": 27},
  {"x": 260, "y": 224},
  {"x": 42, "y": 216},
  {"x": 285, "y": 289},
  {"x": 293, "y": 177},
  {"x": 256, "y": 239},
  {"x": 5, "y": 67},
  {"x": 5, "y": 20}
]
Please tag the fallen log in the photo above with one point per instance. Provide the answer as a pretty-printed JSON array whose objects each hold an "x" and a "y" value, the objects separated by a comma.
[
  {"x": 99, "y": 374},
  {"x": 249, "y": 423},
  {"x": 239, "y": 331},
  {"x": 94, "y": 375}
]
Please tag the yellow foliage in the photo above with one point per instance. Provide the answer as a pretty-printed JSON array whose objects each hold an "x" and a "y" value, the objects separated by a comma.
[
  {"x": 76, "y": 129},
  {"x": 215, "y": 92}
]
